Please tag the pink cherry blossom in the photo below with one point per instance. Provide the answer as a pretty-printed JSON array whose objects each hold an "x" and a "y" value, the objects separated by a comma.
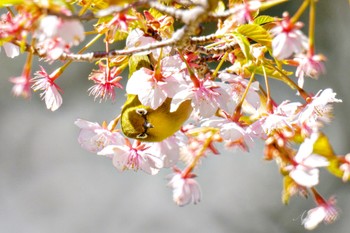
[
  {"x": 151, "y": 87},
  {"x": 167, "y": 149},
  {"x": 121, "y": 20},
  {"x": 206, "y": 97},
  {"x": 93, "y": 137},
  {"x": 56, "y": 35},
  {"x": 45, "y": 82},
  {"x": 310, "y": 66},
  {"x": 11, "y": 50},
  {"x": 175, "y": 66},
  {"x": 304, "y": 170},
  {"x": 137, "y": 38},
  {"x": 117, "y": 27},
  {"x": 238, "y": 86},
  {"x": 325, "y": 211},
  {"x": 16, "y": 27},
  {"x": 51, "y": 27},
  {"x": 21, "y": 85},
  {"x": 283, "y": 117},
  {"x": 185, "y": 189},
  {"x": 319, "y": 109},
  {"x": 106, "y": 79},
  {"x": 243, "y": 14},
  {"x": 53, "y": 48},
  {"x": 345, "y": 167},
  {"x": 133, "y": 157},
  {"x": 231, "y": 132},
  {"x": 288, "y": 39}
]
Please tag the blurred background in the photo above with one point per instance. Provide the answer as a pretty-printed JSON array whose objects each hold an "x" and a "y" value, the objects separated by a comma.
[{"x": 49, "y": 184}]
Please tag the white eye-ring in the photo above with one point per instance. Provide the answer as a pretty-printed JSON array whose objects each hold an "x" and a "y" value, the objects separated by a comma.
[
  {"x": 142, "y": 136},
  {"x": 141, "y": 111}
]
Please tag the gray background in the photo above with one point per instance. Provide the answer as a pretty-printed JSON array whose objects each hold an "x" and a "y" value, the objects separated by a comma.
[{"x": 49, "y": 184}]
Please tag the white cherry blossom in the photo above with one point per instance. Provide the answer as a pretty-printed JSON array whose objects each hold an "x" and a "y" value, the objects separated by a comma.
[
  {"x": 305, "y": 171},
  {"x": 93, "y": 137},
  {"x": 185, "y": 189}
]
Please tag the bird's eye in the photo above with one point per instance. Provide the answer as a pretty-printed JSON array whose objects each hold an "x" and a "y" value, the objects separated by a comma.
[
  {"x": 142, "y": 135},
  {"x": 141, "y": 111}
]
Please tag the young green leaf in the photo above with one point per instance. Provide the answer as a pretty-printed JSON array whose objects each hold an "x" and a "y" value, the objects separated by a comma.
[{"x": 255, "y": 33}]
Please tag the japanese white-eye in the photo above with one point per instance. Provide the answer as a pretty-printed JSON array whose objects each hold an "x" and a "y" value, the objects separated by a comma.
[{"x": 147, "y": 124}]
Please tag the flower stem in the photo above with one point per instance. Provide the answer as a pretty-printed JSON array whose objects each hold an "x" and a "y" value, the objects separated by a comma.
[
  {"x": 61, "y": 69},
  {"x": 10, "y": 11},
  {"x": 317, "y": 197},
  {"x": 268, "y": 101},
  {"x": 85, "y": 7},
  {"x": 237, "y": 114},
  {"x": 223, "y": 59},
  {"x": 312, "y": 21},
  {"x": 187, "y": 171},
  {"x": 28, "y": 64},
  {"x": 300, "y": 11},
  {"x": 193, "y": 77},
  {"x": 290, "y": 82},
  {"x": 114, "y": 123}
]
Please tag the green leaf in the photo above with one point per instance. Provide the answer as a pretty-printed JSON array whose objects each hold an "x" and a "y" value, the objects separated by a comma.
[
  {"x": 272, "y": 73},
  {"x": 243, "y": 44},
  {"x": 334, "y": 169},
  {"x": 323, "y": 147},
  {"x": 288, "y": 184},
  {"x": 156, "y": 14},
  {"x": 264, "y": 19},
  {"x": 5, "y": 3},
  {"x": 136, "y": 62},
  {"x": 120, "y": 35},
  {"x": 255, "y": 33}
]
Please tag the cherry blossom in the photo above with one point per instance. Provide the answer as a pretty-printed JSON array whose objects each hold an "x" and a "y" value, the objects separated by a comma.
[
  {"x": 304, "y": 170},
  {"x": 213, "y": 73},
  {"x": 288, "y": 39},
  {"x": 243, "y": 14},
  {"x": 310, "y": 66},
  {"x": 151, "y": 87},
  {"x": 137, "y": 38},
  {"x": 133, "y": 156},
  {"x": 21, "y": 85},
  {"x": 11, "y": 50},
  {"x": 345, "y": 168},
  {"x": 185, "y": 189},
  {"x": 106, "y": 80},
  {"x": 116, "y": 26},
  {"x": 207, "y": 96},
  {"x": 238, "y": 86},
  {"x": 175, "y": 66},
  {"x": 56, "y": 35},
  {"x": 231, "y": 132},
  {"x": 16, "y": 27},
  {"x": 51, "y": 27},
  {"x": 52, "y": 47},
  {"x": 325, "y": 211},
  {"x": 45, "y": 82},
  {"x": 93, "y": 137},
  {"x": 283, "y": 116},
  {"x": 319, "y": 109},
  {"x": 167, "y": 149}
]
